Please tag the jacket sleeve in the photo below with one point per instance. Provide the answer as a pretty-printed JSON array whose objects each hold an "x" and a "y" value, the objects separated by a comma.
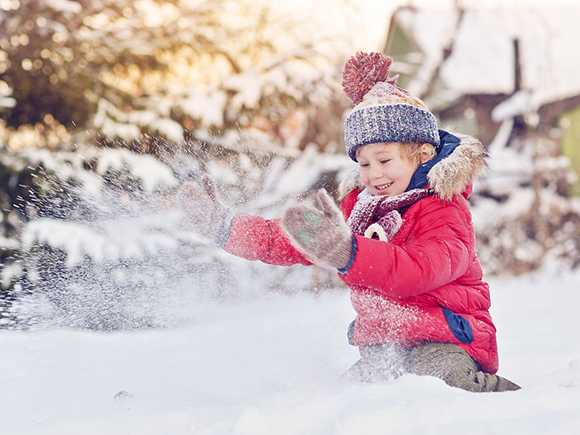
[
  {"x": 258, "y": 239},
  {"x": 436, "y": 251}
]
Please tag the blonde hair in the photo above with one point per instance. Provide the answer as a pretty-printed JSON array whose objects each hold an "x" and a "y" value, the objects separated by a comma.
[{"x": 412, "y": 150}]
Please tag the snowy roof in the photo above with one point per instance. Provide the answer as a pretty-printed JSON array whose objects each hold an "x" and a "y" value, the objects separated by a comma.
[{"x": 482, "y": 60}]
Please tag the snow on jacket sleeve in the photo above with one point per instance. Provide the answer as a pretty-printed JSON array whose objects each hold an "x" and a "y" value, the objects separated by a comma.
[
  {"x": 258, "y": 239},
  {"x": 434, "y": 247}
]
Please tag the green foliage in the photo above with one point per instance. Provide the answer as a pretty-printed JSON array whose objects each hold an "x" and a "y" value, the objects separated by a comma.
[{"x": 571, "y": 143}]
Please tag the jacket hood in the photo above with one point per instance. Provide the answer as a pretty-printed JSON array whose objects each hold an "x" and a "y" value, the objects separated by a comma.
[{"x": 449, "y": 173}]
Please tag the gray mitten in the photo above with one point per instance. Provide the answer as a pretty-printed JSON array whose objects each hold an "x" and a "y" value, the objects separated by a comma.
[
  {"x": 319, "y": 232},
  {"x": 202, "y": 208}
]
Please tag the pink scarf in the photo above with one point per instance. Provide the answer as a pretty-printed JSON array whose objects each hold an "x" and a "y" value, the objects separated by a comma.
[{"x": 381, "y": 215}]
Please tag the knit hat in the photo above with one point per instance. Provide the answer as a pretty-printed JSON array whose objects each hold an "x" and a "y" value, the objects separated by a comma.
[{"x": 383, "y": 112}]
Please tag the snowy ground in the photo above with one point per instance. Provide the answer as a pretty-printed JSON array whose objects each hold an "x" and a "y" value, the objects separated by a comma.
[{"x": 273, "y": 366}]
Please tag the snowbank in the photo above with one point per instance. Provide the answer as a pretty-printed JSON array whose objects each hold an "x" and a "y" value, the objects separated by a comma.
[{"x": 273, "y": 365}]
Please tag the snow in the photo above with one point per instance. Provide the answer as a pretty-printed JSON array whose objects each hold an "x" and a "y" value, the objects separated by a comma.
[
  {"x": 273, "y": 365},
  {"x": 517, "y": 104},
  {"x": 208, "y": 105},
  {"x": 277, "y": 76},
  {"x": 114, "y": 123},
  {"x": 110, "y": 240},
  {"x": 65, "y": 6},
  {"x": 152, "y": 173},
  {"x": 248, "y": 87},
  {"x": 487, "y": 214}
]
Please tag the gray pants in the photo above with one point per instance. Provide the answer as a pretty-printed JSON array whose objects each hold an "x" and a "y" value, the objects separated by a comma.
[{"x": 442, "y": 360}]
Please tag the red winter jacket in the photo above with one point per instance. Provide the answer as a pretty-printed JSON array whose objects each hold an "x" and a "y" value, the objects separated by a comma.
[
  {"x": 423, "y": 285},
  {"x": 400, "y": 288}
]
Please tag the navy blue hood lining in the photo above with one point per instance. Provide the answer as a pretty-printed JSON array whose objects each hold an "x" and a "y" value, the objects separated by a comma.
[{"x": 447, "y": 145}]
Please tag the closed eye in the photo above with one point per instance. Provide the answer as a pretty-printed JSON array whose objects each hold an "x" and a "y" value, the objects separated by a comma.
[{"x": 384, "y": 161}]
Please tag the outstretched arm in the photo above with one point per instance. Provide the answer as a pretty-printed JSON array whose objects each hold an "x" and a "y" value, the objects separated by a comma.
[
  {"x": 258, "y": 239},
  {"x": 250, "y": 237}
]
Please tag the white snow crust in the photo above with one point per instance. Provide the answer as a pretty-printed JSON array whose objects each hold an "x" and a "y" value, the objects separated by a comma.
[{"x": 274, "y": 365}]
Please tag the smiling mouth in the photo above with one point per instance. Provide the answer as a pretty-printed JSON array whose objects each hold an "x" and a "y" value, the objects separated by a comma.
[{"x": 383, "y": 187}]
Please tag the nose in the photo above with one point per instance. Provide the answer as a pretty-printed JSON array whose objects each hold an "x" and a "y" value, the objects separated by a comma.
[{"x": 375, "y": 172}]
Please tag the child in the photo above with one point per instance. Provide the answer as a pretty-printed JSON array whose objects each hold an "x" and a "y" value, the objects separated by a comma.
[{"x": 407, "y": 249}]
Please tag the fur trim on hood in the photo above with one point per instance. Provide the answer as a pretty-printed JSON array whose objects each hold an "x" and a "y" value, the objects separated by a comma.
[{"x": 447, "y": 178}]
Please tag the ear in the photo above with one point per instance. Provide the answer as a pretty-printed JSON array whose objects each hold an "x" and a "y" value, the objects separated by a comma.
[{"x": 426, "y": 153}]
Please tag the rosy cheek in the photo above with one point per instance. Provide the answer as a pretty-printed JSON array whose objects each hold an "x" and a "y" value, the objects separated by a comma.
[{"x": 364, "y": 177}]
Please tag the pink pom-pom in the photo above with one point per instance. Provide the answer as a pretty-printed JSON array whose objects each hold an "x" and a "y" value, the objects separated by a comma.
[{"x": 362, "y": 71}]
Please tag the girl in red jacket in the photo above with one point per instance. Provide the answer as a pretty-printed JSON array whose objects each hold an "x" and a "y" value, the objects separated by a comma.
[{"x": 407, "y": 248}]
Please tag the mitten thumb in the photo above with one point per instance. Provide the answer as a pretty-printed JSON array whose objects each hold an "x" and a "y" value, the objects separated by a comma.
[
  {"x": 326, "y": 202},
  {"x": 203, "y": 209},
  {"x": 209, "y": 187}
]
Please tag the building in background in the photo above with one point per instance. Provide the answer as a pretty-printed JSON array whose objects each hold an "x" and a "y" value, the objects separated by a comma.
[{"x": 478, "y": 67}]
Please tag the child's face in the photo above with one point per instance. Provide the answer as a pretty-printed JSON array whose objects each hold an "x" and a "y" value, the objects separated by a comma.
[{"x": 383, "y": 170}]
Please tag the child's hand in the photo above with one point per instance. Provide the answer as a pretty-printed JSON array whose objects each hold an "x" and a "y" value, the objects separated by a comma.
[
  {"x": 201, "y": 206},
  {"x": 319, "y": 232}
]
